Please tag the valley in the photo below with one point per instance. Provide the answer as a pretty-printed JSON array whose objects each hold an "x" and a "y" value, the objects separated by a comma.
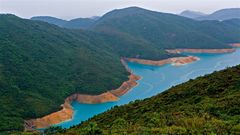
[
  {"x": 55, "y": 72},
  {"x": 154, "y": 80}
]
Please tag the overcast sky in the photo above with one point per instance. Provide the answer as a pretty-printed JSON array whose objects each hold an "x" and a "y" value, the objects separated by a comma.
[{"x": 68, "y": 9}]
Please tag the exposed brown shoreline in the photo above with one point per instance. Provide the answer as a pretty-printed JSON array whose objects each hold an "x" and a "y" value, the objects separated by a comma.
[
  {"x": 201, "y": 50},
  {"x": 235, "y": 45},
  {"x": 178, "y": 61}
]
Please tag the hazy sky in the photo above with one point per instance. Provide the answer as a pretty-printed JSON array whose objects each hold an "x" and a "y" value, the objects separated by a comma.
[{"x": 68, "y": 9}]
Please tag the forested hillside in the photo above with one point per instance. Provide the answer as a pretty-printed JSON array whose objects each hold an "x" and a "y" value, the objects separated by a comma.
[
  {"x": 160, "y": 30},
  {"x": 42, "y": 64},
  {"x": 206, "y": 105},
  {"x": 164, "y": 30}
]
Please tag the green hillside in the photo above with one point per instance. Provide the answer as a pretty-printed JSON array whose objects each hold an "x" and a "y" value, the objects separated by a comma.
[
  {"x": 226, "y": 31},
  {"x": 164, "y": 30},
  {"x": 42, "y": 64},
  {"x": 159, "y": 30},
  {"x": 206, "y": 105}
]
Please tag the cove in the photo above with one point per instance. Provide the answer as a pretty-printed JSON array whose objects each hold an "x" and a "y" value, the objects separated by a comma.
[{"x": 156, "y": 79}]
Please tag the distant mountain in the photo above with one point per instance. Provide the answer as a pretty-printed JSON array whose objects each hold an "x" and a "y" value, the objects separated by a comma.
[
  {"x": 78, "y": 23},
  {"x": 192, "y": 14},
  {"x": 163, "y": 30},
  {"x": 223, "y": 14},
  {"x": 51, "y": 20},
  {"x": 95, "y": 17}
]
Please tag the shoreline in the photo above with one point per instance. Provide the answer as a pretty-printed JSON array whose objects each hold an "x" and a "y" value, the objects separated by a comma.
[
  {"x": 177, "y": 61},
  {"x": 201, "y": 50},
  {"x": 66, "y": 113},
  {"x": 235, "y": 45}
]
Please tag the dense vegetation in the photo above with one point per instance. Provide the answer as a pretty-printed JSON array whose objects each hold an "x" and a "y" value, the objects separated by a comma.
[
  {"x": 206, "y": 105},
  {"x": 164, "y": 30},
  {"x": 159, "y": 30},
  {"x": 42, "y": 64}
]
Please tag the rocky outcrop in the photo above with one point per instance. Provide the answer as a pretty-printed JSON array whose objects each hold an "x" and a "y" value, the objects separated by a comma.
[
  {"x": 201, "y": 50},
  {"x": 178, "y": 61},
  {"x": 235, "y": 45},
  {"x": 66, "y": 112}
]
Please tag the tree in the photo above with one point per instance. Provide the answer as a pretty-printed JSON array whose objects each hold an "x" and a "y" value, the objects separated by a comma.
[{"x": 91, "y": 129}]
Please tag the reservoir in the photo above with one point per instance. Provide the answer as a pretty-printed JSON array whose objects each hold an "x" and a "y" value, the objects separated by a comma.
[{"x": 156, "y": 79}]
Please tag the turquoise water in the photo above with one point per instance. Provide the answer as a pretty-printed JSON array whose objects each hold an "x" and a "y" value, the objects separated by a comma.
[{"x": 156, "y": 79}]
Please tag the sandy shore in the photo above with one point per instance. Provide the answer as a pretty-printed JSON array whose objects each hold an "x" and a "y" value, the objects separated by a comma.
[
  {"x": 201, "y": 50},
  {"x": 235, "y": 44},
  {"x": 178, "y": 61}
]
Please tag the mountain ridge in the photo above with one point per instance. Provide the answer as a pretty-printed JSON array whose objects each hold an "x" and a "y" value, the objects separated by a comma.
[{"x": 223, "y": 14}]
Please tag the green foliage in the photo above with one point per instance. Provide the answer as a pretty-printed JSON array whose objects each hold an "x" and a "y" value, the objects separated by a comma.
[
  {"x": 162, "y": 30},
  {"x": 42, "y": 64},
  {"x": 206, "y": 105},
  {"x": 53, "y": 130},
  {"x": 91, "y": 129}
]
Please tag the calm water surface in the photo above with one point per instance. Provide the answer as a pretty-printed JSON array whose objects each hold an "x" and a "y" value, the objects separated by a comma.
[{"x": 156, "y": 79}]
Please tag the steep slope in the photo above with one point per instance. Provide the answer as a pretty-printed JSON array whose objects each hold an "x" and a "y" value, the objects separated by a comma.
[
  {"x": 191, "y": 14},
  {"x": 159, "y": 29},
  {"x": 206, "y": 105},
  {"x": 223, "y": 14},
  {"x": 42, "y": 64}
]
